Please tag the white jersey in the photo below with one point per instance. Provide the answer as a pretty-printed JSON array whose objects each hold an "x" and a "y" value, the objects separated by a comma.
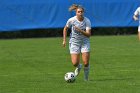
[
  {"x": 77, "y": 37},
  {"x": 137, "y": 13}
]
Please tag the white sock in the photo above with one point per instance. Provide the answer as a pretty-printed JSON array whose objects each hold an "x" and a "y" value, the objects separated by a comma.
[{"x": 86, "y": 72}]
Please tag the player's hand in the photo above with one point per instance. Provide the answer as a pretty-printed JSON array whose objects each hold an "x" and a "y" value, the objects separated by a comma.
[
  {"x": 64, "y": 43},
  {"x": 77, "y": 29},
  {"x": 136, "y": 18}
]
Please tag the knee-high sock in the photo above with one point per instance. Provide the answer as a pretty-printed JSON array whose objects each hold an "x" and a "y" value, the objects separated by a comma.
[{"x": 86, "y": 72}]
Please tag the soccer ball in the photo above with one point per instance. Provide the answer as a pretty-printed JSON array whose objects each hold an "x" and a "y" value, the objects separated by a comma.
[{"x": 69, "y": 77}]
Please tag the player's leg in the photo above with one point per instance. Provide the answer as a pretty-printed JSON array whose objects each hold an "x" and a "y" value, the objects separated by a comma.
[
  {"x": 75, "y": 57},
  {"x": 85, "y": 58}
]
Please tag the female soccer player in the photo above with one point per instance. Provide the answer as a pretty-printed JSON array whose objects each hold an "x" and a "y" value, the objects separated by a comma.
[
  {"x": 79, "y": 40},
  {"x": 136, "y": 17}
]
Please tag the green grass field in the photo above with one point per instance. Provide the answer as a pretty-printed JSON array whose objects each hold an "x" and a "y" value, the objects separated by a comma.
[{"x": 38, "y": 66}]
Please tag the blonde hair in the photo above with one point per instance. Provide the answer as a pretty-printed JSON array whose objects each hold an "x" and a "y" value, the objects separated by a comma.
[{"x": 75, "y": 7}]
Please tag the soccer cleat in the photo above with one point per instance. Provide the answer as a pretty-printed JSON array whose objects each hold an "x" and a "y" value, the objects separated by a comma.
[{"x": 77, "y": 70}]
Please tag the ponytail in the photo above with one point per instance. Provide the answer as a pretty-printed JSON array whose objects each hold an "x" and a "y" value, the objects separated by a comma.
[{"x": 73, "y": 7}]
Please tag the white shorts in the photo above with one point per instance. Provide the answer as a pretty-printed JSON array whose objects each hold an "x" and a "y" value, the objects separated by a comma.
[
  {"x": 77, "y": 48},
  {"x": 138, "y": 28}
]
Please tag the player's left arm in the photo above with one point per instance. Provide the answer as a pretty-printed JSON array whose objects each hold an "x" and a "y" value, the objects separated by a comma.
[{"x": 86, "y": 33}]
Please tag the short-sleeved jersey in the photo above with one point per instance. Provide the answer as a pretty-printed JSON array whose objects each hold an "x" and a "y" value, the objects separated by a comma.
[
  {"x": 137, "y": 13},
  {"x": 77, "y": 37}
]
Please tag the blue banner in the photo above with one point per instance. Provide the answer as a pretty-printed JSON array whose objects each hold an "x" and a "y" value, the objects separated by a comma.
[{"x": 35, "y": 14}]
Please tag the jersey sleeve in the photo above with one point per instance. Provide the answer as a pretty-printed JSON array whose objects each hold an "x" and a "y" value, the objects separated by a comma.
[
  {"x": 137, "y": 11},
  {"x": 88, "y": 24},
  {"x": 69, "y": 23}
]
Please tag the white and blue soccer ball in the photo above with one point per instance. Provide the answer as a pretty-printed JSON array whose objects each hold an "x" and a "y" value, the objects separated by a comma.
[{"x": 69, "y": 77}]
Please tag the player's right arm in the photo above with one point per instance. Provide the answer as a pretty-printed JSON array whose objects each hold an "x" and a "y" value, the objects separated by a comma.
[
  {"x": 64, "y": 35},
  {"x": 67, "y": 26}
]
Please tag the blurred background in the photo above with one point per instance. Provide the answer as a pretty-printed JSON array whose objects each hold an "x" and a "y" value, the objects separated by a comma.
[{"x": 46, "y": 18}]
